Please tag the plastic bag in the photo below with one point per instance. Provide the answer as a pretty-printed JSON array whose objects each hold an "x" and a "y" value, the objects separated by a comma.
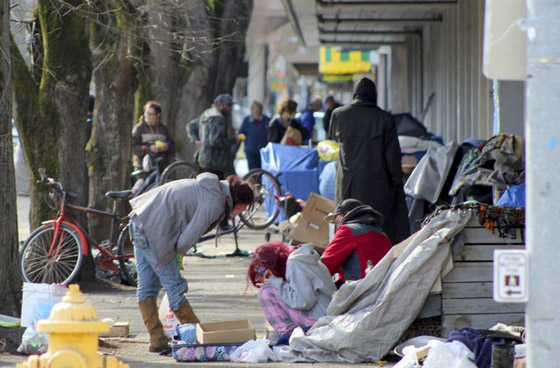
[
  {"x": 187, "y": 333},
  {"x": 254, "y": 351},
  {"x": 33, "y": 341},
  {"x": 409, "y": 360},
  {"x": 442, "y": 356},
  {"x": 167, "y": 317},
  {"x": 328, "y": 150}
]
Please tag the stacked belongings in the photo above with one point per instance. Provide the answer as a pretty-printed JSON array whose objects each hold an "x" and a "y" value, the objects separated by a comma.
[
  {"x": 429, "y": 184},
  {"x": 414, "y": 140},
  {"x": 485, "y": 173}
]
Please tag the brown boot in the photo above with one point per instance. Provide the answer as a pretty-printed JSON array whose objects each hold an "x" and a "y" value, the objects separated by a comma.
[
  {"x": 185, "y": 314},
  {"x": 158, "y": 338}
]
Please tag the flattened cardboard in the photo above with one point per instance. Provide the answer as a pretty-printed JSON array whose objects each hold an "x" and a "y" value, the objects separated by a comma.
[
  {"x": 238, "y": 331},
  {"x": 311, "y": 226}
]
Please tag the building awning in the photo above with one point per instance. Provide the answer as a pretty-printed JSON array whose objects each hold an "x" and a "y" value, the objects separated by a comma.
[{"x": 362, "y": 23}]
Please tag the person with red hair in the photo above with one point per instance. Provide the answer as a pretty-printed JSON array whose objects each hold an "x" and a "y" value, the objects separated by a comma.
[{"x": 295, "y": 289}]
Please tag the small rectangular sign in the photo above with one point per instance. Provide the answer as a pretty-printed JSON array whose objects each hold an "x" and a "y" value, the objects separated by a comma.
[{"x": 511, "y": 276}]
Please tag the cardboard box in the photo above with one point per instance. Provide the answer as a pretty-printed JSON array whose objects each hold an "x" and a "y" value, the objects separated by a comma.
[
  {"x": 311, "y": 226},
  {"x": 119, "y": 329},
  {"x": 225, "y": 332}
]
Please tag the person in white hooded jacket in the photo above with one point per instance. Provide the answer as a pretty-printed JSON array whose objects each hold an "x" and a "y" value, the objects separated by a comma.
[{"x": 295, "y": 288}]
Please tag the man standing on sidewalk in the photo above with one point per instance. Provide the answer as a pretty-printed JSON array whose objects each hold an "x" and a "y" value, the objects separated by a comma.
[
  {"x": 213, "y": 137},
  {"x": 369, "y": 167},
  {"x": 167, "y": 221}
]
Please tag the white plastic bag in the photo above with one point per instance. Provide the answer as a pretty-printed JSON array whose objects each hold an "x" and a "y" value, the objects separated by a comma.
[
  {"x": 409, "y": 360},
  {"x": 254, "y": 351},
  {"x": 460, "y": 349},
  {"x": 167, "y": 317},
  {"x": 33, "y": 341},
  {"x": 441, "y": 356}
]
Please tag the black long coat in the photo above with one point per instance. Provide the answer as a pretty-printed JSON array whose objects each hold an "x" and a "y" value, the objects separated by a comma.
[{"x": 370, "y": 159}]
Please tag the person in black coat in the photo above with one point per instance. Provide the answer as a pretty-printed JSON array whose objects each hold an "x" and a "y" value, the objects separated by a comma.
[
  {"x": 331, "y": 104},
  {"x": 369, "y": 167},
  {"x": 285, "y": 118}
]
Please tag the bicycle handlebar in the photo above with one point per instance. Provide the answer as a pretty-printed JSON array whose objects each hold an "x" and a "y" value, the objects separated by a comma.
[{"x": 51, "y": 182}]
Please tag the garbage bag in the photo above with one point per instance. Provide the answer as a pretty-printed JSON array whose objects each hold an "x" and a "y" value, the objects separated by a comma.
[
  {"x": 254, "y": 351},
  {"x": 409, "y": 360},
  {"x": 442, "y": 356},
  {"x": 33, "y": 341}
]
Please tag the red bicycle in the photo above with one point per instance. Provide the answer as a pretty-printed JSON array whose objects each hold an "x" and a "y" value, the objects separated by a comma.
[{"x": 54, "y": 252}]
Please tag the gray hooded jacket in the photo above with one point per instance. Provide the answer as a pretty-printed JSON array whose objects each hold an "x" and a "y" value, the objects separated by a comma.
[
  {"x": 174, "y": 216},
  {"x": 308, "y": 285}
]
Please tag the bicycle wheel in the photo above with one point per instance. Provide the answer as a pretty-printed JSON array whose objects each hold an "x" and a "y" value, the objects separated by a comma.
[
  {"x": 267, "y": 203},
  {"x": 178, "y": 170},
  {"x": 127, "y": 262},
  {"x": 62, "y": 266}
]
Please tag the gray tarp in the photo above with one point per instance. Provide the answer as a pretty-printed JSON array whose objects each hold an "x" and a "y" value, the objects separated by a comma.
[
  {"x": 428, "y": 178},
  {"x": 367, "y": 317}
]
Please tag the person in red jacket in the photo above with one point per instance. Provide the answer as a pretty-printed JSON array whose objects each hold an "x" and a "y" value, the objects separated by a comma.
[{"x": 358, "y": 240}]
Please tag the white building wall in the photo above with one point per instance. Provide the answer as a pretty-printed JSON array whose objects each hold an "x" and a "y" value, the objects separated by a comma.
[{"x": 451, "y": 59}]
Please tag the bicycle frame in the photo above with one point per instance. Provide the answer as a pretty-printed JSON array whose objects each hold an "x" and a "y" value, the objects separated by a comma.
[
  {"x": 63, "y": 218},
  {"x": 152, "y": 178}
]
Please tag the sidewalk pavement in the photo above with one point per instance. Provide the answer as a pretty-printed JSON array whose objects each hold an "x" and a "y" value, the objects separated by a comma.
[{"x": 218, "y": 291}]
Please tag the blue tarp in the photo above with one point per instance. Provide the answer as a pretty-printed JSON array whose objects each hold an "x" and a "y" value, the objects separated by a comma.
[
  {"x": 295, "y": 167},
  {"x": 513, "y": 196}
]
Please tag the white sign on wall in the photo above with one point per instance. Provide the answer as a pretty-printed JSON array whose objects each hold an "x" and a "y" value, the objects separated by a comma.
[{"x": 511, "y": 276}]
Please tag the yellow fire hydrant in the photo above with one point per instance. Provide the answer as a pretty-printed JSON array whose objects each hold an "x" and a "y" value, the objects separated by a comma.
[{"x": 74, "y": 328}]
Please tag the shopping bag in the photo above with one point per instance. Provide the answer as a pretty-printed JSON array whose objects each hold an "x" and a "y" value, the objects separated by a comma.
[
  {"x": 292, "y": 137},
  {"x": 167, "y": 317}
]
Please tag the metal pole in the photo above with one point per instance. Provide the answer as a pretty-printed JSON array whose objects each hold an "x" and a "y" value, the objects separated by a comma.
[{"x": 543, "y": 182}]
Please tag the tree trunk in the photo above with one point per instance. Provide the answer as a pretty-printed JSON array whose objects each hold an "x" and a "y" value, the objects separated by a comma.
[
  {"x": 196, "y": 49},
  {"x": 10, "y": 280},
  {"x": 52, "y": 113},
  {"x": 63, "y": 94},
  {"x": 109, "y": 149},
  {"x": 216, "y": 52},
  {"x": 38, "y": 140}
]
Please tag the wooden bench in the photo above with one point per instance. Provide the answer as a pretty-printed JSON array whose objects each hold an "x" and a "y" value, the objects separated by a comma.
[{"x": 466, "y": 299}]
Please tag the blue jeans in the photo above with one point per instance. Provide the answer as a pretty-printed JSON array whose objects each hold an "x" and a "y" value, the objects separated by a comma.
[{"x": 152, "y": 275}]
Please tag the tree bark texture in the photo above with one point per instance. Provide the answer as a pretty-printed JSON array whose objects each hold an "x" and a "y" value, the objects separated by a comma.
[
  {"x": 115, "y": 49},
  {"x": 63, "y": 93},
  {"x": 10, "y": 280},
  {"x": 52, "y": 110},
  {"x": 207, "y": 51}
]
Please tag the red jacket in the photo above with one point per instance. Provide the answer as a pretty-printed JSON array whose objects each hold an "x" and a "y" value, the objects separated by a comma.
[{"x": 352, "y": 246}]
